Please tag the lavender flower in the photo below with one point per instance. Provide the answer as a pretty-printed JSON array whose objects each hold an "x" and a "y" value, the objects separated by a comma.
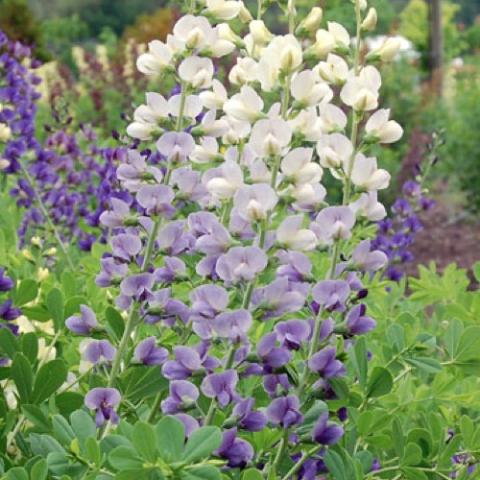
[
  {"x": 332, "y": 294},
  {"x": 148, "y": 353},
  {"x": 236, "y": 451},
  {"x": 357, "y": 322},
  {"x": 6, "y": 283},
  {"x": 241, "y": 264},
  {"x": 104, "y": 401},
  {"x": 285, "y": 411},
  {"x": 99, "y": 351},
  {"x": 221, "y": 386},
  {"x": 182, "y": 394},
  {"x": 243, "y": 413},
  {"x": 325, "y": 432},
  {"x": 84, "y": 324},
  {"x": 325, "y": 363}
]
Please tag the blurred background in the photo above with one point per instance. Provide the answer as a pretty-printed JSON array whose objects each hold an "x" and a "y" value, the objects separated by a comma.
[{"x": 88, "y": 49}]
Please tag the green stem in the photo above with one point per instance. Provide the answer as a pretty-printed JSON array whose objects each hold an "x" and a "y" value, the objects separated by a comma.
[
  {"x": 154, "y": 409},
  {"x": 272, "y": 471},
  {"x": 44, "y": 211},
  {"x": 259, "y": 9},
  {"x": 15, "y": 431},
  {"x": 298, "y": 465}
]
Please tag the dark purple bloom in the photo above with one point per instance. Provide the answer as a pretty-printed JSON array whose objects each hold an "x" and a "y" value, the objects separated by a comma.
[
  {"x": 221, "y": 386},
  {"x": 8, "y": 312},
  {"x": 285, "y": 411},
  {"x": 182, "y": 395},
  {"x": 104, "y": 401},
  {"x": 272, "y": 356},
  {"x": 83, "y": 324},
  {"x": 325, "y": 363},
  {"x": 253, "y": 421},
  {"x": 236, "y": 451},
  {"x": 99, "y": 351},
  {"x": 325, "y": 432},
  {"x": 275, "y": 384},
  {"x": 148, "y": 353},
  {"x": 357, "y": 322},
  {"x": 6, "y": 283}
]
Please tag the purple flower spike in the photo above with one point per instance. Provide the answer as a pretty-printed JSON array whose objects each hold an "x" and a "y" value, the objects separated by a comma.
[
  {"x": 221, "y": 386},
  {"x": 285, "y": 411},
  {"x": 103, "y": 401},
  {"x": 236, "y": 451},
  {"x": 241, "y": 264},
  {"x": 99, "y": 351},
  {"x": 325, "y": 432},
  {"x": 292, "y": 333},
  {"x": 233, "y": 325},
  {"x": 148, "y": 353},
  {"x": 367, "y": 260},
  {"x": 182, "y": 395},
  {"x": 332, "y": 294},
  {"x": 325, "y": 363},
  {"x": 253, "y": 421},
  {"x": 83, "y": 324},
  {"x": 6, "y": 283},
  {"x": 357, "y": 322}
]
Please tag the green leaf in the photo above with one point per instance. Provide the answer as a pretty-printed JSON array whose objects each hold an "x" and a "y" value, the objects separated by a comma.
[
  {"x": 115, "y": 321},
  {"x": 44, "y": 444},
  {"x": 17, "y": 473},
  {"x": 468, "y": 344},
  {"x": 252, "y": 474},
  {"x": 72, "y": 305},
  {"x": 50, "y": 378},
  {"x": 311, "y": 416},
  {"x": 142, "y": 382},
  {"x": 124, "y": 458},
  {"x": 69, "y": 285},
  {"x": 380, "y": 382},
  {"x": 335, "y": 465},
  {"x": 143, "y": 439},
  {"x": 68, "y": 402},
  {"x": 29, "y": 343},
  {"x": 203, "y": 472},
  {"x": 26, "y": 292},
  {"x": 412, "y": 473},
  {"x": 39, "y": 470},
  {"x": 55, "y": 305},
  {"x": 8, "y": 342},
  {"x": 22, "y": 375},
  {"x": 92, "y": 451},
  {"x": 62, "y": 430},
  {"x": 427, "y": 364},
  {"x": 36, "y": 416},
  {"x": 170, "y": 433},
  {"x": 412, "y": 455},
  {"x": 202, "y": 442},
  {"x": 359, "y": 361},
  {"x": 452, "y": 337},
  {"x": 82, "y": 425},
  {"x": 476, "y": 270}
]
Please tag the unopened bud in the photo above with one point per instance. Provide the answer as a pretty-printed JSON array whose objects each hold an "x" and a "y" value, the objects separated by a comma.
[{"x": 370, "y": 21}]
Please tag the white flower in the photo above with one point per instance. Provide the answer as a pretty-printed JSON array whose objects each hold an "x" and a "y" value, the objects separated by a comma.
[
  {"x": 340, "y": 35},
  {"x": 368, "y": 206},
  {"x": 219, "y": 47},
  {"x": 146, "y": 117},
  {"x": 308, "y": 196},
  {"x": 333, "y": 70},
  {"x": 334, "y": 150},
  {"x": 224, "y": 9},
  {"x": 255, "y": 202},
  {"x": 224, "y": 181},
  {"x": 307, "y": 92},
  {"x": 370, "y": 21},
  {"x": 312, "y": 21},
  {"x": 238, "y": 130},
  {"x": 332, "y": 118},
  {"x": 367, "y": 176},
  {"x": 388, "y": 50},
  {"x": 259, "y": 172},
  {"x": 226, "y": 33},
  {"x": 361, "y": 92},
  {"x": 244, "y": 71},
  {"x": 298, "y": 166},
  {"x": 156, "y": 59},
  {"x": 245, "y": 15},
  {"x": 192, "y": 107},
  {"x": 206, "y": 151},
  {"x": 212, "y": 127},
  {"x": 194, "y": 32},
  {"x": 5, "y": 132},
  {"x": 291, "y": 235},
  {"x": 214, "y": 99},
  {"x": 260, "y": 33},
  {"x": 308, "y": 124},
  {"x": 245, "y": 106},
  {"x": 46, "y": 353},
  {"x": 382, "y": 129},
  {"x": 197, "y": 71},
  {"x": 324, "y": 43},
  {"x": 270, "y": 136}
]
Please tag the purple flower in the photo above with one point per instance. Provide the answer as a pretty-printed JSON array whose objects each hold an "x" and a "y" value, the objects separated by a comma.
[
  {"x": 325, "y": 432},
  {"x": 272, "y": 356},
  {"x": 296, "y": 266},
  {"x": 253, "y": 421},
  {"x": 8, "y": 312},
  {"x": 357, "y": 322},
  {"x": 332, "y": 294},
  {"x": 324, "y": 363},
  {"x": 241, "y": 264},
  {"x": 6, "y": 283},
  {"x": 236, "y": 451},
  {"x": 333, "y": 223},
  {"x": 173, "y": 238},
  {"x": 161, "y": 307},
  {"x": 172, "y": 269},
  {"x": 187, "y": 361},
  {"x": 285, "y": 411},
  {"x": 103, "y": 401},
  {"x": 292, "y": 333},
  {"x": 221, "y": 386},
  {"x": 83, "y": 324},
  {"x": 148, "y": 353},
  {"x": 117, "y": 216},
  {"x": 99, "y": 351},
  {"x": 207, "y": 302},
  {"x": 156, "y": 199},
  {"x": 182, "y": 395},
  {"x": 136, "y": 286},
  {"x": 274, "y": 384},
  {"x": 366, "y": 260},
  {"x": 233, "y": 325},
  {"x": 126, "y": 246},
  {"x": 176, "y": 146},
  {"x": 189, "y": 423},
  {"x": 112, "y": 272}
]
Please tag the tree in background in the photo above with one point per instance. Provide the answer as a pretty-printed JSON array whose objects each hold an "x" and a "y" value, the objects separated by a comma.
[{"x": 148, "y": 27}]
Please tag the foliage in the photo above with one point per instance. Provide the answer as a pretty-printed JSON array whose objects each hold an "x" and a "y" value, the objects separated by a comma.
[{"x": 147, "y": 27}]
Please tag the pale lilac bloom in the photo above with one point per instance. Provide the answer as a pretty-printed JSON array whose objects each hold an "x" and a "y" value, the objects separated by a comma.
[
  {"x": 187, "y": 361},
  {"x": 103, "y": 401},
  {"x": 182, "y": 395},
  {"x": 176, "y": 146},
  {"x": 221, "y": 386},
  {"x": 357, "y": 322},
  {"x": 285, "y": 411},
  {"x": 366, "y": 260},
  {"x": 134, "y": 287},
  {"x": 174, "y": 239},
  {"x": 236, "y": 451},
  {"x": 271, "y": 354},
  {"x": 111, "y": 272},
  {"x": 162, "y": 307},
  {"x": 254, "y": 202},
  {"x": 247, "y": 418},
  {"x": 117, "y": 215},
  {"x": 133, "y": 173},
  {"x": 190, "y": 424},
  {"x": 173, "y": 268},
  {"x": 148, "y": 353},
  {"x": 292, "y": 333},
  {"x": 98, "y": 351},
  {"x": 241, "y": 264},
  {"x": 333, "y": 223},
  {"x": 189, "y": 184},
  {"x": 324, "y": 363},
  {"x": 296, "y": 266},
  {"x": 126, "y": 246},
  {"x": 83, "y": 324},
  {"x": 215, "y": 242},
  {"x": 325, "y": 432},
  {"x": 233, "y": 325},
  {"x": 156, "y": 199},
  {"x": 331, "y": 294}
]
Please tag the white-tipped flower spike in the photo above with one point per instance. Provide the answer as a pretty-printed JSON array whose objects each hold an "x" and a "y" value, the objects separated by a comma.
[
  {"x": 361, "y": 92},
  {"x": 367, "y": 176},
  {"x": 334, "y": 70},
  {"x": 298, "y": 166},
  {"x": 224, "y": 181},
  {"x": 307, "y": 92},
  {"x": 245, "y": 71},
  {"x": 223, "y": 9},
  {"x": 387, "y": 51},
  {"x": 261, "y": 35},
  {"x": 255, "y": 202},
  {"x": 244, "y": 106},
  {"x": 214, "y": 99},
  {"x": 270, "y": 137},
  {"x": 383, "y": 130},
  {"x": 334, "y": 150},
  {"x": 146, "y": 117},
  {"x": 196, "y": 71},
  {"x": 332, "y": 118},
  {"x": 370, "y": 21},
  {"x": 368, "y": 206},
  {"x": 312, "y": 21},
  {"x": 157, "y": 58},
  {"x": 291, "y": 235}
]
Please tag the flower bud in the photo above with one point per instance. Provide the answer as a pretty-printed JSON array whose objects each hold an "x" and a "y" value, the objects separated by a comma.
[
  {"x": 244, "y": 14},
  {"x": 260, "y": 32},
  {"x": 225, "y": 10},
  {"x": 226, "y": 33},
  {"x": 5, "y": 132},
  {"x": 4, "y": 163},
  {"x": 370, "y": 21},
  {"x": 387, "y": 51},
  {"x": 312, "y": 21},
  {"x": 42, "y": 274}
]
